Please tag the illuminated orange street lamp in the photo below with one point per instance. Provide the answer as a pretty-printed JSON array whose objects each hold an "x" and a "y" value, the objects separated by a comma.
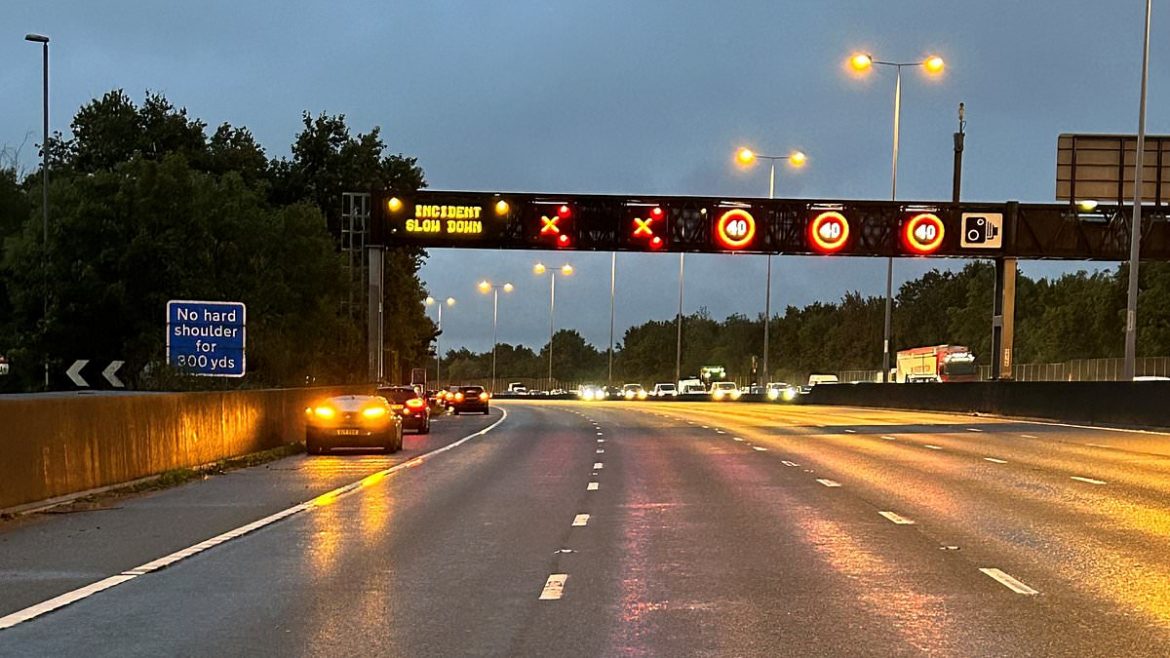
[
  {"x": 747, "y": 157},
  {"x": 485, "y": 287},
  {"x": 862, "y": 63}
]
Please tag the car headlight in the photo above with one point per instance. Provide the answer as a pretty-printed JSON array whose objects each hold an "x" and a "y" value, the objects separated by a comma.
[
  {"x": 790, "y": 394},
  {"x": 373, "y": 412},
  {"x": 718, "y": 395},
  {"x": 324, "y": 411},
  {"x": 641, "y": 395},
  {"x": 773, "y": 394},
  {"x": 735, "y": 395}
]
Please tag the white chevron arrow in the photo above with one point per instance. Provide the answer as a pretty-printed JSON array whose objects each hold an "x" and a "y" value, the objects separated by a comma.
[
  {"x": 74, "y": 372},
  {"x": 109, "y": 374}
]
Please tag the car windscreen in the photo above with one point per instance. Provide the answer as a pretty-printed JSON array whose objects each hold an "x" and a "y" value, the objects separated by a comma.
[{"x": 397, "y": 395}]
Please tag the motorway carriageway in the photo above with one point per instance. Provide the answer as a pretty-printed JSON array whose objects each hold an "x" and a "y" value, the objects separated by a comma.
[{"x": 567, "y": 528}]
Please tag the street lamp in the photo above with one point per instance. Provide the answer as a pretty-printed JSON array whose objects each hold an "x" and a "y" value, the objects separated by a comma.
[
  {"x": 485, "y": 287},
  {"x": 1135, "y": 227},
  {"x": 431, "y": 301},
  {"x": 44, "y": 41},
  {"x": 565, "y": 270},
  {"x": 862, "y": 63},
  {"x": 747, "y": 158}
]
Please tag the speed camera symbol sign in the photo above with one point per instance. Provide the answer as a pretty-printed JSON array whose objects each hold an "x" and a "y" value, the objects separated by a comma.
[{"x": 982, "y": 230}]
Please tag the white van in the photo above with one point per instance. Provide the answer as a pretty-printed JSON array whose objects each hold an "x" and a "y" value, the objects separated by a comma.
[{"x": 813, "y": 380}]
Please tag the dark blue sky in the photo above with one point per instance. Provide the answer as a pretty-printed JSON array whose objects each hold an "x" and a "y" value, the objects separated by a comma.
[{"x": 616, "y": 96}]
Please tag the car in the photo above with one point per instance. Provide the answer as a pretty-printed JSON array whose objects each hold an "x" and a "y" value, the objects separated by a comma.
[
  {"x": 412, "y": 407},
  {"x": 590, "y": 392},
  {"x": 633, "y": 392},
  {"x": 664, "y": 390},
  {"x": 352, "y": 421},
  {"x": 816, "y": 379},
  {"x": 463, "y": 399},
  {"x": 724, "y": 391},
  {"x": 517, "y": 388},
  {"x": 686, "y": 386},
  {"x": 782, "y": 391}
]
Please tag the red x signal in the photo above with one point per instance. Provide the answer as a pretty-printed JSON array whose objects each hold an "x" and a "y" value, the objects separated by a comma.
[
  {"x": 642, "y": 227},
  {"x": 549, "y": 225}
]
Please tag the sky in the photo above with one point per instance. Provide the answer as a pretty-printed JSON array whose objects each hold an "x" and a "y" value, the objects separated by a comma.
[{"x": 623, "y": 96}]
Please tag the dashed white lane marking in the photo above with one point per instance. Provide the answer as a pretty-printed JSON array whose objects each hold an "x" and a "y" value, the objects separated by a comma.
[
  {"x": 851, "y": 431},
  {"x": 896, "y": 518},
  {"x": 737, "y": 438},
  {"x": 554, "y": 587},
  {"x": 789, "y": 464},
  {"x": 1009, "y": 582},
  {"x": 829, "y": 483},
  {"x": 720, "y": 432},
  {"x": 705, "y": 427},
  {"x": 600, "y": 434},
  {"x": 598, "y": 465},
  {"x": 993, "y": 460},
  {"x": 580, "y": 520},
  {"x": 593, "y": 486},
  {"x": 601, "y": 440},
  {"x": 758, "y": 448},
  {"x": 601, "y": 451},
  {"x": 890, "y": 438},
  {"x": 1028, "y": 436},
  {"x": 57, "y": 602},
  {"x": 974, "y": 429},
  {"x": 1088, "y": 480},
  {"x": 932, "y": 447}
]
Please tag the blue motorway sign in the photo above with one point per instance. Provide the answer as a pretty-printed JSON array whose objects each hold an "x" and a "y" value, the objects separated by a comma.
[{"x": 206, "y": 338}]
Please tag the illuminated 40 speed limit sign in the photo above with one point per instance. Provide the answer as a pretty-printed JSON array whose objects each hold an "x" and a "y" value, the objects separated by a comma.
[
  {"x": 735, "y": 229},
  {"x": 923, "y": 234}
]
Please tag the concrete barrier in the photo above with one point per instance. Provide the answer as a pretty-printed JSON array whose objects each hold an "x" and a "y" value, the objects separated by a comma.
[
  {"x": 52, "y": 446},
  {"x": 1134, "y": 404}
]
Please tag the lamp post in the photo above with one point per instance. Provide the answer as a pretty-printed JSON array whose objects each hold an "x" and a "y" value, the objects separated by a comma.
[
  {"x": 485, "y": 287},
  {"x": 863, "y": 62},
  {"x": 44, "y": 41},
  {"x": 564, "y": 270},
  {"x": 612, "y": 286},
  {"x": 1135, "y": 227},
  {"x": 682, "y": 261},
  {"x": 431, "y": 301},
  {"x": 748, "y": 157}
]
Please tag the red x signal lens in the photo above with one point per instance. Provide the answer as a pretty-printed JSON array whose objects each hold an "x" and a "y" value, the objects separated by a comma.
[{"x": 564, "y": 211}]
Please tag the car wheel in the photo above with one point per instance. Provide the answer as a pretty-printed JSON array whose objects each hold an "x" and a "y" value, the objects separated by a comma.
[
  {"x": 455, "y": 412},
  {"x": 311, "y": 447},
  {"x": 390, "y": 443},
  {"x": 485, "y": 412},
  {"x": 426, "y": 429}
]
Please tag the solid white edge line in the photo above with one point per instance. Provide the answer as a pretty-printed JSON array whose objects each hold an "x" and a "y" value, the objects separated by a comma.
[
  {"x": 932, "y": 447},
  {"x": 974, "y": 429},
  {"x": 554, "y": 587},
  {"x": 758, "y": 448},
  {"x": 1088, "y": 480},
  {"x": 57, "y": 602},
  {"x": 993, "y": 460},
  {"x": 1009, "y": 582},
  {"x": 890, "y": 438},
  {"x": 788, "y": 463},
  {"x": 828, "y": 483},
  {"x": 897, "y": 519}
]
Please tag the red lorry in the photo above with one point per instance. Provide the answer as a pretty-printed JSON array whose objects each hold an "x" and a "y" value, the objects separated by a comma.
[{"x": 940, "y": 363}]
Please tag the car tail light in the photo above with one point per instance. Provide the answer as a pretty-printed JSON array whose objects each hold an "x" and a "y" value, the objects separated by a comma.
[
  {"x": 483, "y": 396},
  {"x": 415, "y": 403},
  {"x": 459, "y": 397}
]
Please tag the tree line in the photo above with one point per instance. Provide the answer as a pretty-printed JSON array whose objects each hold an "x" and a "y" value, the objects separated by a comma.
[
  {"x": 1074, "y": 316},
  {"x": 148, "y": 204}
]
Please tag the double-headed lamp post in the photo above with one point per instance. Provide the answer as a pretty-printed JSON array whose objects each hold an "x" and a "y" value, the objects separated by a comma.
[
  {"x": 565, "y": 270},
  {"x": 747, "y": 158},
  {"x": 862, "y": 63},
  {"x": 486, "y": 287},
  {"x": 431, "y": 301},
  {"x": 44, "y": 41}
]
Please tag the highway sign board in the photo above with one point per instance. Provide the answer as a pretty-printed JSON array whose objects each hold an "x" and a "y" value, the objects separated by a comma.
[
  {"x": 1101, "y": 168},
  {"x": 206, "y": 338}
]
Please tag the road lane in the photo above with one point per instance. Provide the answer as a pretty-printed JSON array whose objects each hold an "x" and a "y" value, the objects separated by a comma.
[{"x": 46, "y": 554}]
